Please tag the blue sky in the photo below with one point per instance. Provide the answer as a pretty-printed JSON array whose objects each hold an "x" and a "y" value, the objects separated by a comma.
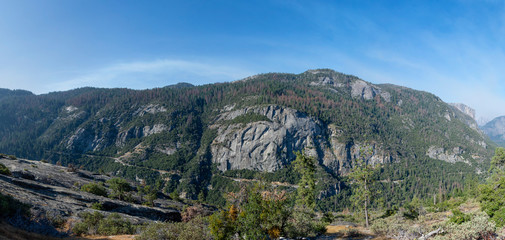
[{"x": 454, "y": 49}]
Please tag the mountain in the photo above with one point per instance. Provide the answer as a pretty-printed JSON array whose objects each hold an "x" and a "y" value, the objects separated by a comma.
[
  {"x": 205, "y": 139},
  {"x": 10, "y": 93},
  {"x": 465, "y": 109},
  {"x": 495, "y": 129}
]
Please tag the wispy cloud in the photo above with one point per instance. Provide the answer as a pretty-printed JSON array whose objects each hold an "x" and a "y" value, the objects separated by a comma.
[
  {"x": 156, "y": 73},
  {"x": 462, "y": 72}
]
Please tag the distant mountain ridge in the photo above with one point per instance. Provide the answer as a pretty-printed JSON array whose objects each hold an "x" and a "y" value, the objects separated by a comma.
[
  {"x": 495, "y": 129},
  {"x": 196, "y": 137}
]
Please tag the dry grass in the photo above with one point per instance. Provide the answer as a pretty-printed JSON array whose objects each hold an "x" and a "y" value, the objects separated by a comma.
[
  {"x": 349, "y": 232},
  {"x": 117, "y": 237}
]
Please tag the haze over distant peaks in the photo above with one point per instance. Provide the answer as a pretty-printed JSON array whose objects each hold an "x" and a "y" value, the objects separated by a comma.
[{"x": 495, "y": 129}]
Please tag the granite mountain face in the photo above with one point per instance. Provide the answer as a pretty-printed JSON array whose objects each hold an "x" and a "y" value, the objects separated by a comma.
[
  {"x": 465, "y": 109},
  {"x": 495, "y": 129},
  {"x": 192, "y": 135}
]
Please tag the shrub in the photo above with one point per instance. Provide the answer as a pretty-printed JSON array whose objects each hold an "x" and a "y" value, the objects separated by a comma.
[
  {"x": 12, "y": 157},
  {"x": 192, "y": 212},
  {"x": 115, "y": 225},
  {"x": 72, "y": 168},
  {"x": 97, "y": 206},
  {"x": 175, "y": 196},
  {"x": 396, "y": 227},
  {"x": 89, "y": 224},
  {"x": 458, "y": 217},
  {"x": 4, "y": 170},
  {"x": 95, "y": 188},
  {"x": 302, "y": 224},
  {"x": 411, "y": 212},
  {"x": 119, "y": 187},
  {"x": 499, "y": 217},
  {"x": 478, "y": 227},
  {"x": 327, "y": 218},
  {"x": 195, "y": 229},
  {"x": 222, "y": 224},
  {"x": 95, "y": 223},
  {"x": 389, "y": 212}
]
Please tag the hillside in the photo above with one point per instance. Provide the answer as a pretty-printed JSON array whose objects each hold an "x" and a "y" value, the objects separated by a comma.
[
  {"x": 53, "y": 198},
  {"x": 495, "y": 129},
  {"x": 203, "y": 139}
]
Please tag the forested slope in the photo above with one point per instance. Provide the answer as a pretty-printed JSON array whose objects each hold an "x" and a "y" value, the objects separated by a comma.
[{"x": 198, "y": 138}]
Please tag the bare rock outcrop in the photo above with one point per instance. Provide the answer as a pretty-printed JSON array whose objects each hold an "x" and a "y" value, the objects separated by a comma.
[
  {"x": 151, "y": 109},
  {"x": 362, "y": 89},
  {"x": 464, "y": 109},
  {"x": 139, "y": 132},
  {"x": 264, "y": 145},
  {"x": 358, "y": 87},
  {"x": 53, "y": 191},
  {"x": 269, "y": 145},
  {"x": 339, "y": 156},
  {"x": 451, "y": 155}
]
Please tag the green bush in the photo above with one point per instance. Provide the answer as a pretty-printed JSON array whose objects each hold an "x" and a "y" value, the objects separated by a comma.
[
  {"x": 327, "y": 218},
  {"x": 458, "y": 217},
  {"x": 95, "y": 223},
  {"x": 396, "y": 225},
  {"x": 95, "y": 188},
  {"x": 478, "y": 227},
  {"x": 389, "y": 212},
  {"x": 4, "y": 170},
  {"x": 195, "y": 229},
  {"x": 119, "y": 188},
  {"x": 115, "y": 225},
  {"x": 89, "y": 224},
  {"x": 411, "y": 213},
  {"x": 499, "y": 217},
  {"x": 302, "y": 224},
  {"x": 97, "y": 206}
]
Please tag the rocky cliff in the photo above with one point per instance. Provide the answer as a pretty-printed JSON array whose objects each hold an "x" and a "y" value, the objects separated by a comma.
[
  {"x": 464, "y": 109},
  {"x": 268, "y": 145}
]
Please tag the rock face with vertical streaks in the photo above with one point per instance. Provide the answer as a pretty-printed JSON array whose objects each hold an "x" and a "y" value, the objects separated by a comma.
[{"x": 270, "y": 144}]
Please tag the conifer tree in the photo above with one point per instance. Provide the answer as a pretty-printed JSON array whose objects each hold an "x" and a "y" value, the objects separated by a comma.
[{"x": 362, "y": 176}]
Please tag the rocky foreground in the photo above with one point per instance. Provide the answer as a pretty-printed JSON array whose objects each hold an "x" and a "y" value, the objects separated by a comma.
[{"x": 55, "y": 198}]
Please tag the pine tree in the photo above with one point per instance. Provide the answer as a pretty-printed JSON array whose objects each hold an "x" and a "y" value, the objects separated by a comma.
[
  {"x": 362, "y": 176},
  {"x": 306, "y": 166}
]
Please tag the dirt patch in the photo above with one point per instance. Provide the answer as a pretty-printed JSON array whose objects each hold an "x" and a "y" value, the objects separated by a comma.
[
  {"x": 347, "y": 232},
  {"x": 117, "y": 237}
]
